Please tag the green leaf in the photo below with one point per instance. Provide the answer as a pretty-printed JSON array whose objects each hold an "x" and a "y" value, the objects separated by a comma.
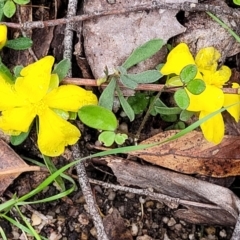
[
  {"x": 62, "y": 68},
  {"x": 21, "y": 1},
  {"x": 1, "y": 9},
  {"x": 149, "y": 76},
  {"x": 174, "y": 82},
  {"x": 181, "y": 98},
  {"x": 17, "y": 140},
  {"x": 20, "y": 43},
  {"x": 17, "y": 70},
  {"x": 178, "y": 125},
  {"x": 169, "y": 118},
  {"x": 107, "y": 138},
  {"x": 168, "y": 110},
  {"x": 158, "y": 103},
  {"x": 107, "y": 97},
  {"x": 237, "y": 2},
  {"x": 188, "y": 73},
  {"x": 120, "y": 138},
  {"x": 72, "y": 115},
  {"x": 9, "y": 8},
  {"x": 54, "y": 82},
  {"x": 5, "y": 73},
  {"x": 196, "y": 86},
  {"x": 143, "y": 52},
  {"x": 98, "y": 117},
  {"x": 125, "y": 105},
  {"x": 185, "y": 115},
  {"x": 139, "y": 102},
  {"x": 128, "y": 82}
]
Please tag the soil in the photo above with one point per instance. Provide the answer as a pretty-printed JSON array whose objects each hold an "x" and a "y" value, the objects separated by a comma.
[{"x": 127, "y": 215}]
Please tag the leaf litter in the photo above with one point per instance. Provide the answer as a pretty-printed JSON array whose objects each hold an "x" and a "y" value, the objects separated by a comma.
[{"x": 220, "y": 203}]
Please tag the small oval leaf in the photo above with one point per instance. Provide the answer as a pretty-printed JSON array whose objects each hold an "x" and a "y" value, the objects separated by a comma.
[
  {"x": 20, "y": 43},
  {"x": 107, "y": 138},
  {"x": 196, "y": 86},
  {"x": 128, "y": 82},
  {"x": 174, "y": 82},
  {"x": 181, "y": 98},
  {"x": 62, "y": 68},
  {"x": 149, "y": 76},
  {"x": 185, "y": 115},
  {"x": 143, "y": 52},
  {"x": 9, "y": 9},
  {"x": 188, "y": 73},
  {"x": 168, "y": 110},
  {"x": 107, "y": 97},
  {"x": 98, "y": 117},
  {"x": 120, "y": 138}
]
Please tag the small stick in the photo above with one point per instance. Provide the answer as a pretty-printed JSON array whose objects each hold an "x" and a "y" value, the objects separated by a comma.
[
  {"x": 157, "y": 4},
  {"x": 68, "y": 34},
  {"x": 87, "y": 192},
  {"x": 145, "y": 87},
  {"x": 169, "y": 201}
]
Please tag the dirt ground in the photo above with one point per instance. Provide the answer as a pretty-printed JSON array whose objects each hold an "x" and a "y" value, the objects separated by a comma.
[{"x": 126, "y": 215}]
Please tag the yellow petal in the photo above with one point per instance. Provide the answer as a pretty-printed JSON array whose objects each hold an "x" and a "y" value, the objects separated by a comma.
[
  {"x": 17, "y": 119},
  {"x": 218, "y": 78},
  {"x": 206, "y": 59},
  {"x": 177, "y": 59},
  {"x": 70, "y": 98},
  {"x": 8, "y": 96},
  {"x": 55, "y": 133},
  {"x": 231, "y": 99},
  {"x": 34, "y": 83},
  {"x": 213, "y": 128},
  {"x": 3, "y": 35},
  {"x": 210, "y": 100}
]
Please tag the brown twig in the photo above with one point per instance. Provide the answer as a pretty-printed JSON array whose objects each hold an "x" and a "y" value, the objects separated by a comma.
[
  {"x": 68, "y": 34},
  {"x": 186, "y": 6},
  {"x": 144, "y": 87},
  {"x": 87, "y": 192},
  {"x": 169, "y": 201}
]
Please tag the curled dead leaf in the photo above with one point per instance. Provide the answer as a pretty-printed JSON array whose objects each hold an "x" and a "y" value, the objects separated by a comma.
[
  {"x": 11, "y": 166},
  {"x": 192, "y": 154}
]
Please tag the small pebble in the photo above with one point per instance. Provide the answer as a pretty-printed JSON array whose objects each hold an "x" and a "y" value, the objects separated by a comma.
[
  {"x": 165, "y": 220},
  {"x": 36, "y": 220},
  {"x": 171, "y": 222},
  {"x": 159, "y": 205},
  {"x": 184, "y": 236},
  {"x": 166, "y": 237},
  {"x": 191, "y": 236},
  {"x": 130, "y": 195},
  {"x": 121, "y": 210},
  {"x": 111, "y": 195},
  {"x": 93, "y": 232},
  {"x": 83, "y": 219},
  {"x": 149, "y": 204},
  {"x": 134, "y": 229},
  {"x": 210, "y": 230},
  {"x": 144, "y": 237},
  {"x": 155, "y": 225},
  {"x": 178, "y": 227},
  {"x": 223, "y": 233}
]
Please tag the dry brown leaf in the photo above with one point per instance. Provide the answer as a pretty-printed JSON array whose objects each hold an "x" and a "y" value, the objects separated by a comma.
[
  {"x": 192, "y": 154},
  {"x": 11, "y": 166},
  {"x": 109, "y": 40},
  {"x": 200, "y": 202}
]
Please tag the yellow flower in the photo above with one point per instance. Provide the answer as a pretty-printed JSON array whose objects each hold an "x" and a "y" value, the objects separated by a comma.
[
  {"x": 36, "y": 93},
  {"x": 3, "y": 35},
  {"x": 212, "y": 98}
]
